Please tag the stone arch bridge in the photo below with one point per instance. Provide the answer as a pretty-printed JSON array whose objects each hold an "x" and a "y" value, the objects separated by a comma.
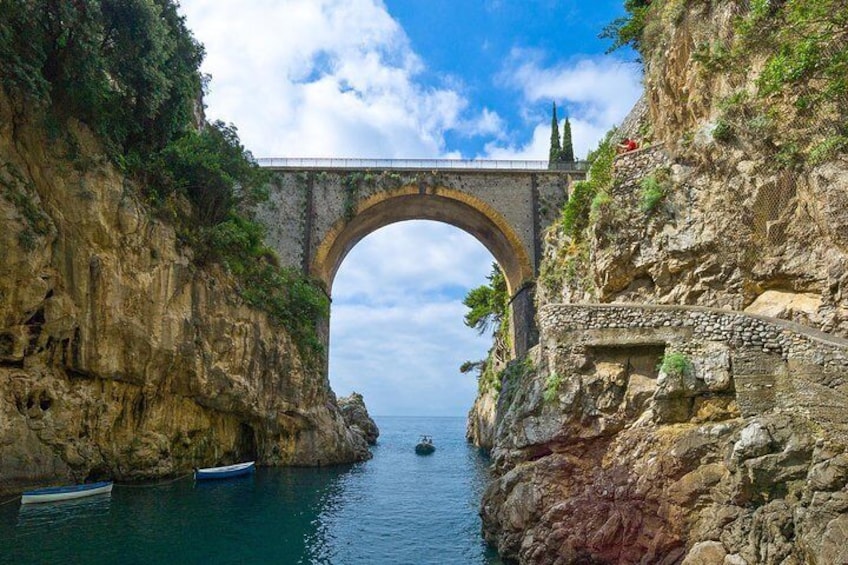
[{"x": 319, "y": 209}]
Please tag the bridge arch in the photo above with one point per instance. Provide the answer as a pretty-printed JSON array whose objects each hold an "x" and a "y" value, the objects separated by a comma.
[
  {"x": 441, "y": 204},
  {"x": 319, "y": 210}
]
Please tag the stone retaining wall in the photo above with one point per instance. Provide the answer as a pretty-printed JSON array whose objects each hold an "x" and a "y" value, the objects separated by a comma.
[
  {"x": 764, "y": 362},
  {"x": 633, "y": 166}
]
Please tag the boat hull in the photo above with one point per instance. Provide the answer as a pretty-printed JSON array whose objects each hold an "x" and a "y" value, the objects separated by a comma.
[
  {"x": 424, "y": 449},
  {"x": 227, "y": 472},
  {"x": 56, "y": 494}
]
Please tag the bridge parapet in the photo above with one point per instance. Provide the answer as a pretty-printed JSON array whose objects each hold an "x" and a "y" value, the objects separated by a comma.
[{"x": 297, "y": 163}]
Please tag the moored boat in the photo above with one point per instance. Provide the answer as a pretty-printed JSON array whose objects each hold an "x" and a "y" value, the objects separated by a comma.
[
  {"x": 225, "y": 472},
  {"x": 425, "y": 446},
  {"x": 69, "y": 492}
]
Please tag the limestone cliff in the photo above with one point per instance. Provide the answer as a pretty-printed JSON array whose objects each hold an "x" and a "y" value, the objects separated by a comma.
[
  {"x": 356, "y": 416},
  {"x": 685, "y": 403},
  {"x": 742, "y": 223},
  {"x": 118, "y": 357}
]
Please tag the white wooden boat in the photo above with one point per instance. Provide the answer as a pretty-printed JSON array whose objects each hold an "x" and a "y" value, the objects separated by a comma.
[
  {"x": 54, "y": 494},
  {"x": 226, "y": 472}
]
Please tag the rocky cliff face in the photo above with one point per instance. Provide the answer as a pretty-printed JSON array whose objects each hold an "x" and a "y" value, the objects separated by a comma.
[
  {"x": 740, "y": 225},
  {"x": 356, "y": 416},
  {"x": 605, "y": 451},
  {"x": 118, "y": 357}
]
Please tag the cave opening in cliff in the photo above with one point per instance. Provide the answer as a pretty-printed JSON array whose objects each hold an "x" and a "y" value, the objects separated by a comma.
[
  {"x": 246, "y": 443},
  {"x": 396, "y": 326}
]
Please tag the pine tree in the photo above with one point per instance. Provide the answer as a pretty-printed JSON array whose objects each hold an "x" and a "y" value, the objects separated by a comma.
[
  {"x": 553, "y": 156},
  {"x": 566, "y": 154}
]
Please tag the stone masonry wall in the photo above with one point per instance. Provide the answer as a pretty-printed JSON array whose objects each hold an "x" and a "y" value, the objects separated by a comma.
[
  {"x": 767, "y": 363},
  {"x": 296, "y": 228},
  {"x": 633, "y": 166}
]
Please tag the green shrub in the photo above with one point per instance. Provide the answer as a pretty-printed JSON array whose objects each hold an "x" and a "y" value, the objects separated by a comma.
[
  {"x": 789, "y": 156},
  {"x": 676, "y": 364},
  {"x": 212, "y": 169},
  {"x": 552, "y": 384},
  {"x": 628, "y": 30},
  {"x": 292, "y": 301},
  {"x": 653, "y": 191},
  {"x": 599, "y": 202},
  {"x": 576, "y": 212},
  {"x": 828, "y": 148},
  {"x": 723, "y": 131},
  {"x": 487, "y": 304}
]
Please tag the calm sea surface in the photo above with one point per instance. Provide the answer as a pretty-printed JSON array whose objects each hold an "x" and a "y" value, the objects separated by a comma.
[{"x": 397, "y": 508}]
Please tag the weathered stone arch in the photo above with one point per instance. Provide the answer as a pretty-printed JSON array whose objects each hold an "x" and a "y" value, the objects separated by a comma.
[
  {"x": 315, "y": 216},
  {"x": 440, "y": 204}
]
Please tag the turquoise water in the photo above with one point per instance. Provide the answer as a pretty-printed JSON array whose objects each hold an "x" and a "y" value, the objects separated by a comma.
[{"x": 397, "y": 508}]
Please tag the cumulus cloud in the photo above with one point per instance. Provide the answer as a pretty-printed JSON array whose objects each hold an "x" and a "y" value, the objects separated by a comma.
[
  {"x": 431, "y": 257},
  {"x": 401, "y": 349},
  {"x": 595, "y": 92},
  {"x": 321, "y": 78}
]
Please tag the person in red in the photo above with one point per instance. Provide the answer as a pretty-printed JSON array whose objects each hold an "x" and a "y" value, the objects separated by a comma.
[{"x": 627, "y": 144}]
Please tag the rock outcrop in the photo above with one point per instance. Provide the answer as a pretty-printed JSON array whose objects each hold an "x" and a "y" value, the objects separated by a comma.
[
  {"x": 739, "y": 450},
  {"x": 356, "y": 417},
  {"x": 118, "y": 356},
  {"x": 710, "y": 434},
  {"x": 481, "y": 420},
  {"x": 737, "y": 226}
]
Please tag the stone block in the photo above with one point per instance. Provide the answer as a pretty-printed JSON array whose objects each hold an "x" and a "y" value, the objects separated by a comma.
[{"x": 755, "y": 394}]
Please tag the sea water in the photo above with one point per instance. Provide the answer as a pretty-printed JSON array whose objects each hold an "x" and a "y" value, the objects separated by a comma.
[{"x": 397, "y": 508}]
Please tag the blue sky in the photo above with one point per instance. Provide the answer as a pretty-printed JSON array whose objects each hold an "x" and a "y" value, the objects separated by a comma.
[{"x": 410, "y": 79}]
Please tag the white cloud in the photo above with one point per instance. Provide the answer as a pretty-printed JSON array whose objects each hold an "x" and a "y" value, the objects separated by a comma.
[
  {"x": 596, "y": 93},
  {"x": 396, "y": 332},
  {"x": 427, "y": 256},
  {"x": 312, "y": 78}
]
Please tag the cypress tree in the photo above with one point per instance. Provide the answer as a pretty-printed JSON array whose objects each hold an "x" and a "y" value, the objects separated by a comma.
[
  {"x": 553, "y": 156},
  {"x": 566, "y": 154}
]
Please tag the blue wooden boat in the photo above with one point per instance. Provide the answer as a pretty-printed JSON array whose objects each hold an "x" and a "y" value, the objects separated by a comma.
[
  {"x": 226, "y": 472},
  {"x": 54, "y": 494}
]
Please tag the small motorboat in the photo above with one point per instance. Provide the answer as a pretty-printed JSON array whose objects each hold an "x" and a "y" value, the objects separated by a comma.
[
  {"x": 425, "y": 446},
  {"x": 55, "y": 494},
  {"x": 226, "y": 472}
]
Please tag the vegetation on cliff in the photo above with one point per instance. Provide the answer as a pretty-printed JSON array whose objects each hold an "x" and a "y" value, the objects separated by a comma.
[
  {"x": 129, "y": 71},
  {"x": 488, "y": 309},
  {"x": 586, "y": 199},
  {"x": 798, "y": 50}
]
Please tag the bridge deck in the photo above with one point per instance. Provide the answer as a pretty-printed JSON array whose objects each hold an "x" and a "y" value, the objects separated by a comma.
[{"x": 423, "y": 164}]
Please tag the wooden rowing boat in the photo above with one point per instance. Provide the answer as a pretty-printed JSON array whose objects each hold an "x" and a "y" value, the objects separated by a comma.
[
  {"x": 225, "y": 472},
  {"x": 54, "y": 494}
]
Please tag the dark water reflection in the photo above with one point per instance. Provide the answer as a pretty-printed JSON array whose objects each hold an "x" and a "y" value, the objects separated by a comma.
[{"x": 396, "y": 508}]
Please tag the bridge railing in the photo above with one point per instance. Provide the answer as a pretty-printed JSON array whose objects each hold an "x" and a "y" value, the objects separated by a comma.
[{"x": 423, "y": 164}]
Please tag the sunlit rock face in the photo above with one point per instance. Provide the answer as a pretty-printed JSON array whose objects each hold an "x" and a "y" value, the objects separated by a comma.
[
  {"x": 118, "y": 357},
  {"x": 603, "y": 453}
]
